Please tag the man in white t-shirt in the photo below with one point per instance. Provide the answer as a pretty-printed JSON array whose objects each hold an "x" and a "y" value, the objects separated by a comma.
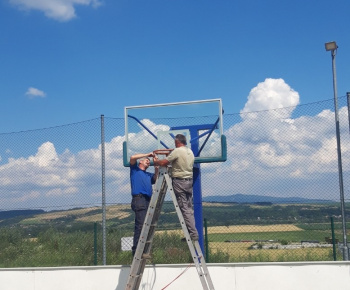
[{"x": 181, "y": 160}]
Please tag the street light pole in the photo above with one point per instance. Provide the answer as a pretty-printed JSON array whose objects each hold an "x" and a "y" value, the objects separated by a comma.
[{"x": 332, "y": 46}]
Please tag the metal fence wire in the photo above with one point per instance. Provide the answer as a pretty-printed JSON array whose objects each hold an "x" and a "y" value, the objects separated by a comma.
[{"x": 276, "y": 198}]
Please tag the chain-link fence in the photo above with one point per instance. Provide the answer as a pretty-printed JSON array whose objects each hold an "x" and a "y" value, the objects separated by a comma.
[{"x": 276, "y": 198}]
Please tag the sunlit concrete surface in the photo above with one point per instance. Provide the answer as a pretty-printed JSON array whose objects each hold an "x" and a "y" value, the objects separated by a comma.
[{"x": 238, "y": 276}]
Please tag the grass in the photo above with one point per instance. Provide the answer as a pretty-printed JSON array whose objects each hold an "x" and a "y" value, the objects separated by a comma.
[
  {"x": 51, "y": 248},
  {"x": 240, "y": 252},
  {"x": 245, "y": 229},
  {"x": 73, "y": 244},
  {"x": 294, "y": 236}
]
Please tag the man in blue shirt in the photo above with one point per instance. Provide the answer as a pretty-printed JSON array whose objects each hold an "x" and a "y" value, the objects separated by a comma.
[{"x": 141, "y": 190}]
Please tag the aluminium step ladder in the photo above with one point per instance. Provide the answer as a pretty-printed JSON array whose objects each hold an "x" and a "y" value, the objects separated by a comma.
[{"x": 143, "y": 250}]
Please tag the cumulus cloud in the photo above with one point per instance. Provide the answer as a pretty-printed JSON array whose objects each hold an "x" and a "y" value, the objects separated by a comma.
[
  {"x": 61, "y": 179},
  {"x": 271, "y": 94},
  {"x": 35, "y": 93},
  {"x": 140, "y": 140},
  {"x": 60, "y": 10},
  {"x": 272, "y": 153}
]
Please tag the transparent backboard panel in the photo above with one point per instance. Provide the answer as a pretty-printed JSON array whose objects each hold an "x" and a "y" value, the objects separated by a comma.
[
  {"x": 166, "y": 138},
  {"x": 147, "y": 128}
]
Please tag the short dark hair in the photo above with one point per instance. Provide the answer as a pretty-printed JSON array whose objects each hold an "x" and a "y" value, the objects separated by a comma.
[
  {"x": 181, "y": 138},
  {"x": 143, "y": 158}
]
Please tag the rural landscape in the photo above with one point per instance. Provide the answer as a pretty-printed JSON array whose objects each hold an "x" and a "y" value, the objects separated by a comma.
[{"x": 233, "y": 232}]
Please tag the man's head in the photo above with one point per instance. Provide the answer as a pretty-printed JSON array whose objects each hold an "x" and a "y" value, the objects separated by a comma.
[
  {"x": 144, "y": 163},
  {"x": 180, "y": 140}
]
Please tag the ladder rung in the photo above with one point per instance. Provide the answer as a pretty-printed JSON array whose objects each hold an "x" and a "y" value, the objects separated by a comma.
[
  {"x": 154, "y": 211},
  {"x": 146, "y": 256}
]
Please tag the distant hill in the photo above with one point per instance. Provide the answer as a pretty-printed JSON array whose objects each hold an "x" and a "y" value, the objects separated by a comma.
[
  {"x": 251, "y": 198},
  {"x": 21, "y": 212}
]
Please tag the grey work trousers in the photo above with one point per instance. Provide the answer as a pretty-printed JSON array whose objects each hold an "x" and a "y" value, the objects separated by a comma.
[
  {"x": 183, "y": 192},
  {"x": 139, "y": 205}
]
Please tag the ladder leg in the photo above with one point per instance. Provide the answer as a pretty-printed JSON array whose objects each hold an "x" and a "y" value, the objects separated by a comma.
[
  {"x": 146, "y": 238},
  {"x": 194, "y": 246},
  {"x": 145, "y": 243},
  {"x": 204, "y": 265}
]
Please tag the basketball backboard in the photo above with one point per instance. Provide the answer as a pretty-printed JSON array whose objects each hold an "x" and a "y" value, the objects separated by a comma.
[{"x": 152, "y": 127}]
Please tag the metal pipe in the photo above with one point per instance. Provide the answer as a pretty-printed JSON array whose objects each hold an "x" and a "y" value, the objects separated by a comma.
[
  {"x": 333, "y": 240},
  {"x": 340, "y": 169},
  {"x": 103, "y": 191},
  {"x": 95, "y": 243}
]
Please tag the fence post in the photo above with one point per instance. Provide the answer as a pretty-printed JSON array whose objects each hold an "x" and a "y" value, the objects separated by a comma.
[
  {"x": 333, "y": 240},
  {"x": 95, "y": 243},
  {"x": 103, "y": 190}
]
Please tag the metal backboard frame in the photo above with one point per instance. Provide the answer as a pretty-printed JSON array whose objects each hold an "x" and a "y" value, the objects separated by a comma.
[{"x": 202, "y": 120}]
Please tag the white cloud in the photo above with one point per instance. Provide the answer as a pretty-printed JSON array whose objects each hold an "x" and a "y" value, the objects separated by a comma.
[
  {"x": 24, "y": 198},
  {"x": 59, "y": 191},
  {"x": 46, "y": 155},
  {"x": 61, "y": 179},
  {"x": 141, "y": 141},
  {"x": 61, "y": 10},
  {"x": 269, "y": 95},
  {"x": 34, "y": 93},
  {"x": 270, "y": 152},
  {"x": 271, "y": 156}
]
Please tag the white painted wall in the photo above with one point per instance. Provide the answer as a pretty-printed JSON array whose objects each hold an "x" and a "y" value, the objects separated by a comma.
[{"x": 240, "y": 276}]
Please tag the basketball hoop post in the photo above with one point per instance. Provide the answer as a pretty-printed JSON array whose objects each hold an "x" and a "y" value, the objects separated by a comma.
[{"x": 154, "y": 126}]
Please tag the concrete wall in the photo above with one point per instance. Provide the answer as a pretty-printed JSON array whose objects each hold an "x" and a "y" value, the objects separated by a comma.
[{"x": 240, "y": 276}]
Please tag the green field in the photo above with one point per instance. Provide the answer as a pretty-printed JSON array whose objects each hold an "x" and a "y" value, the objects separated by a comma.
[{"x": 236, "y": 233}]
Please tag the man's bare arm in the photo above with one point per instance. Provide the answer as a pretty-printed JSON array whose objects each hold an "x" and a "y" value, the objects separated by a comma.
[
  {"x": 134, "y": 158},
  {"x": 163, "y": 162}
]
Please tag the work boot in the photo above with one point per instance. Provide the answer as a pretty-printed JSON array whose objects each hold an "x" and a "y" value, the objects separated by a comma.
[
  {"x": 146, "y": 256},
  {"x": 194, "y": 238}
]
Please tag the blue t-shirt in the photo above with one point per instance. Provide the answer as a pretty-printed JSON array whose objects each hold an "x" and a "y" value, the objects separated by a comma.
[{"x": 141, "y": 181}]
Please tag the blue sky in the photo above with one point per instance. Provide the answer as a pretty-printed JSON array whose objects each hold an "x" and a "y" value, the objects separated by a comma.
[{"x": 68, "y": 61}]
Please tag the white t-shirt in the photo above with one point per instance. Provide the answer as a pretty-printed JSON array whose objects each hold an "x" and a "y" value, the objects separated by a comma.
[{"x": 181, "y": 159}]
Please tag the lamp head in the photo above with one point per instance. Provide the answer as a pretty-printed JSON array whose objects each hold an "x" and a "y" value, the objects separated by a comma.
[{"x": 331, "y": 46}]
